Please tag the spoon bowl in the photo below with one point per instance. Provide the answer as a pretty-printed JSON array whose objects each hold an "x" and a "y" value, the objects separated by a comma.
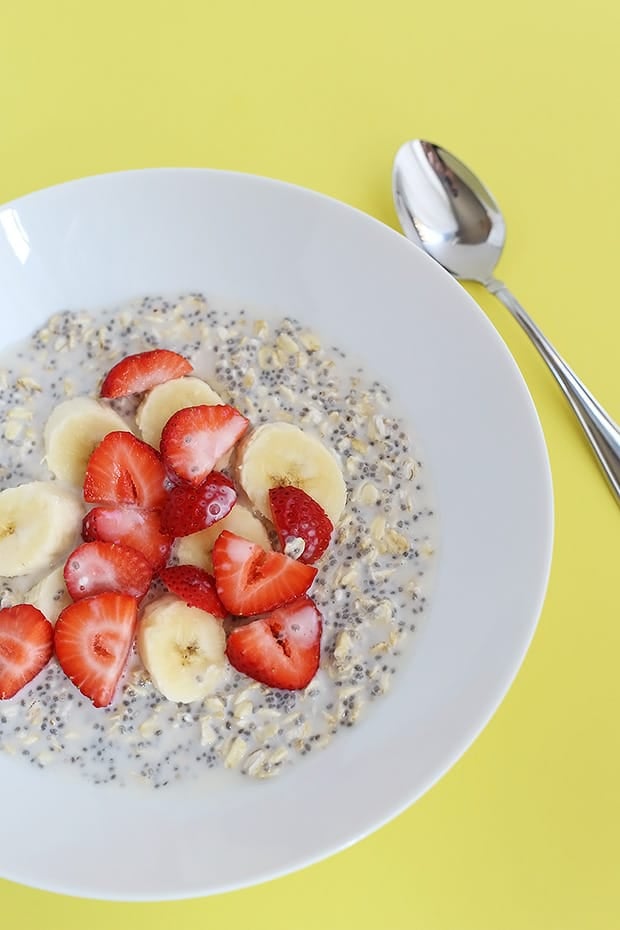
[
  {"x": 447, "y": 211},
  {"x": 445, "y": 208}
]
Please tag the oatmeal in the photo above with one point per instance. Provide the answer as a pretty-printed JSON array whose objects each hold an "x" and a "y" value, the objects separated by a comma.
[{"x": 371, "y": 583}]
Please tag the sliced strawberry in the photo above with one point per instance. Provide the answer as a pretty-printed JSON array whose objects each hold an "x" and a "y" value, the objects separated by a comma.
[
  {"x": 194, "y": 586},
  {"x": 141, "y": 372},
  {"x": 296, "y": 515},
  {"x": 129, "y": 526},
  {"x": 124, "y": 470},
  {"x": 92, "y": 639},
  {"x": 26, "y": 646},
  {"x": 97, "y": 567},
  {"x": 194, "y": 438},
  {"x": 189, "y": 509},
  {"x": 250, "y": 581},
  {"x": 281, "y": 650}
]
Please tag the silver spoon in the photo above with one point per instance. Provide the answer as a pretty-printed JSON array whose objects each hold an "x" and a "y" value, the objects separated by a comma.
[{"x": 445, "y": 209}]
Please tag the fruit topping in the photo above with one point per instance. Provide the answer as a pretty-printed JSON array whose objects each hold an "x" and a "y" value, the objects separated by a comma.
[
  {"x": 92, "y": 639},
  {"x": 100, "y": 567},
  {"x": 281, "y": 650},
  {"x": 137, "y": 373},
  {"x": 26, "y": 638},
  {"x": 179, "y": 646},
  {"x": 129, "y": 526},
  {"x": 195, "y": 438},
  {"x": 125, "y": 470},
  {"x": 194, "y": 586},
  {"x": 251, "y": 581},
  {"x": 297, "y": 517},
  {"x": 189, "y": 509}
]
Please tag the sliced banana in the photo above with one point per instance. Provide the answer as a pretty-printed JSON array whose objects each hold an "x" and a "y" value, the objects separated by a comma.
[
  {"x": 50, "y": 595},
  {"x": 73, "y": 430},
  {"x": 165, "y": 399},
  {"x": 38, "y": 521},
  {"x": 196, "y": 549},
  {"x": 182, "y": 649},
  {"x": 279, "y": 454}
]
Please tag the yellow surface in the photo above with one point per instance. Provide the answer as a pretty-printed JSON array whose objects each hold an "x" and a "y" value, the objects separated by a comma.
[{"x": 523, "y": 833}]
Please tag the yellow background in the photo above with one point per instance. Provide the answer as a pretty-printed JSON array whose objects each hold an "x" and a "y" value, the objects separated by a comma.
[{"x": 524, "y": 831}]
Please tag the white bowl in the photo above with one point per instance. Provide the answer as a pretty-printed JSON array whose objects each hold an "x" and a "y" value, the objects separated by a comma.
[{"x": 104, "y": 240}]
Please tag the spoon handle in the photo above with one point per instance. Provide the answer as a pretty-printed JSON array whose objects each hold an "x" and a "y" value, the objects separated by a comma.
[{"x": 601, "y": 431}]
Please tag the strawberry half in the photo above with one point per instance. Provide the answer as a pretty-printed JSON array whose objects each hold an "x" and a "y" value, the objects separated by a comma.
[
  {"x": 194, "y": 438},
  {"x": 189, "y": 509},
  {"x": 92, "y": 639},
  {"x": 194, "y": 586},
  {"x": 250, "y": 581},
  {"x": 26, "y": 646},
  {"x": 97, "y": 567},
  {"x": 141, "y": 372},
  {"x": 124, "y": 470},
  {"x": 129, "y": 526},
  {"x": 296, "y": 515},
  {"x": 281, "y": 650}
]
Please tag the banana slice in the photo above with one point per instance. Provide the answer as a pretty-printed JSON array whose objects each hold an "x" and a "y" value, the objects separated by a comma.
[
  {"x": 73, "y": 430},
  {"x": 165, "y": 399},
  {"x": 278, "y": 454},
  {"x": 182, "y": 649},
  {"x": 37, "y": 522},
  {"x": 196, "y": 549},
  {"x": 50, "y": 595}
]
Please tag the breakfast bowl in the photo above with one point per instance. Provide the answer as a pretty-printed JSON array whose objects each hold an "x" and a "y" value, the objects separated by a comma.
[{"x": 309, "y": 317}]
